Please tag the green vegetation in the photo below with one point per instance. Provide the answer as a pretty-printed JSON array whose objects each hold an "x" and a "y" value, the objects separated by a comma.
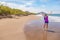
[{"x": 7, "y": 12}]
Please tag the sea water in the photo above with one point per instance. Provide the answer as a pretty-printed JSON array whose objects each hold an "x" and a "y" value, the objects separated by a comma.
[
  {"x": 58, "y": 15},
  {"x": 51, "y": 17}
]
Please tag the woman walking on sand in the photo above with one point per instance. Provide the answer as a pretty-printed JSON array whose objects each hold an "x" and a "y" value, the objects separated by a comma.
[{"x": 46, "y": 21}]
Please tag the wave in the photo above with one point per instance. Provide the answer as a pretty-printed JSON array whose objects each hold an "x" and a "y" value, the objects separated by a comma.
[{"x": 51, "y": 18}]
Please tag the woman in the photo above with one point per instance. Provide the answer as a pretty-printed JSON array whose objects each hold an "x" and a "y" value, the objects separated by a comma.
[{"x": 46, "y": 21}]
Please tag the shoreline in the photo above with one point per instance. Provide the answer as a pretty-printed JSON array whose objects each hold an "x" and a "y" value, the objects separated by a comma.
[{"x": 14, "y": 29}]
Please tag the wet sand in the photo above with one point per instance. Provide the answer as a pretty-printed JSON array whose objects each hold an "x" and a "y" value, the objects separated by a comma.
[
  {"x": 34, "y": 31},
  {"x": 19, "y": 29}
]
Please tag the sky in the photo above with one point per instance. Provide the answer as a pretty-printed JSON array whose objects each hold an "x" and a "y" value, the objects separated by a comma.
[{"x": 34, "y": 5}]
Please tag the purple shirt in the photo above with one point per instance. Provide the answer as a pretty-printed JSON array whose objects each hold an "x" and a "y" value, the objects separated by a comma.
[{"x": 46, "y": 18}]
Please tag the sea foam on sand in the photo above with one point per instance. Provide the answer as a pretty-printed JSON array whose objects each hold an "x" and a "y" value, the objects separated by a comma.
[{"x": 51, "y": 18}]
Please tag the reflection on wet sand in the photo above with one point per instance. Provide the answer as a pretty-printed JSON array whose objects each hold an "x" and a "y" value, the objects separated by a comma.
[
  {"x": 34, "y": 32},
  {"x": 44, "y": 35}
]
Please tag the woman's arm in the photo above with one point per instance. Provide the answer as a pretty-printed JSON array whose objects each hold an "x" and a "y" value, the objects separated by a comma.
[{"x": 49, "y": 13}]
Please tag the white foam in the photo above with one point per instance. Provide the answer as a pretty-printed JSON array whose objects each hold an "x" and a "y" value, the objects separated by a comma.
[{"x": 51, "y": 18}]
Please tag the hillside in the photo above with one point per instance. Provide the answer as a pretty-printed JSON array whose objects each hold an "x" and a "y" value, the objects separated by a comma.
[{"x": 6, "y": 11}]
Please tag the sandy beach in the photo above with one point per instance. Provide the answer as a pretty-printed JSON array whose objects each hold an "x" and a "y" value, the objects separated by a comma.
[{"x": 16, "y": 29}]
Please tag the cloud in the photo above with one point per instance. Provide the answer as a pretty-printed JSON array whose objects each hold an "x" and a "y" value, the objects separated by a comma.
[
  {"x": 43, "y": 0},
  {"x": 21, "y": 6},
  {"x": 29, "y": 6}
]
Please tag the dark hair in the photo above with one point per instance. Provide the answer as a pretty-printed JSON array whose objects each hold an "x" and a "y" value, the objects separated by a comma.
[{"x": 45, "y": 14}]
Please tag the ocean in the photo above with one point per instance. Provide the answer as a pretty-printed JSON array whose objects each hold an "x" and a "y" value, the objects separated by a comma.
[
  {"x": 58, "y": 15},
  {"x": 51, "y": 17}
]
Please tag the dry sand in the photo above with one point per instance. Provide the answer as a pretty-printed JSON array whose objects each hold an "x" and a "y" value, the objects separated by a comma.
[{"x": 15, "y": 29}]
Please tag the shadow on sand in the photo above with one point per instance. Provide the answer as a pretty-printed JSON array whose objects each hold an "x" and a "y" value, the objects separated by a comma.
[{"x": 53, "y": 31}]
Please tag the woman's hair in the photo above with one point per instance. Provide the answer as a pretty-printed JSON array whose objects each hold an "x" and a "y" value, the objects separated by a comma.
[{"x": 45, "y": 14}]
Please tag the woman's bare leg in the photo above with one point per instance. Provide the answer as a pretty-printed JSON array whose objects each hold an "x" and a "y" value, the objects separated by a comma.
[{"x": 46, "y": 26}]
